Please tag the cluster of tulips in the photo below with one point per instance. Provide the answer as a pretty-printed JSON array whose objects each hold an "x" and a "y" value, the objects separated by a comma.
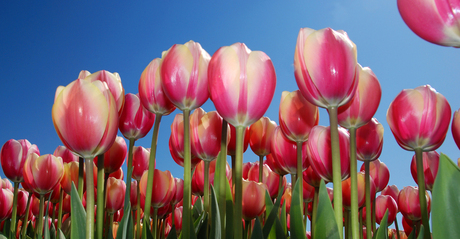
[{"x": 214, "y": 199}]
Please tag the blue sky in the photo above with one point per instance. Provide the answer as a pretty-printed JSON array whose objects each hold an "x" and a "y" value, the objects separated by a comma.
[{"x": 46, "y": 44}]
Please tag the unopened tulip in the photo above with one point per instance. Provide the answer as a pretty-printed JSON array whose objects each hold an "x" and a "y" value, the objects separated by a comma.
[
  {"x": 140, "y": 161},
  {"x": 253, "y": 199},
  {"x": 319, "y": 152},
  {"x": 286, "y": 198},
  {"x": 13, "y": 156},
  {"x": 178, "y": 196},
  {"x": 163, "y": 187},
  {"x": 151, "y": 91},
  {"x": 198, "y": 176},
  {"x": 135, "y": 121},
  {"x": 6, "y": 203},
  {"x": 379, "y": 173},
  {"x": 22, "y": 203},
  {"x": 42, "y": 173},
  {"x": 392, "y": 191},
  {"x": 346, "y": 190},
  {"x": 436, "y": 21},
  {"x": 408, "y": 225},
  {"x": 133, "y": 195},
  {"x": 409, "y": 203},
  {"x": 176, "y": 142},
  {"x": 382, "y": 204},
  {"x": 269, "y": 178},
  {"x": 113, "y": 82},
  {"x": 70, "y": 175},
  {"x": 325, "y": 66},
  {"x": 260, "y": 136},
  {"x": 369, "y": 141},
  {"x": 311, "y": 177},
  {"x": 285, "y": 152},
  {"x": 115, "y": 156},
  {"x": 456, "y": 128},
  {"x": 308, "y": 192},
  {"x": 115, "y": 194},
  {"x": 231, "y": 147},
  {"x": 117, "y": 174},
  {"x": 275, "y": 165},
  {"x": 419, "y": 118},
  {"x": 66, "y": 155},
  {"x": 177, "y": 218},
  {"x": 430, "y": 168}
]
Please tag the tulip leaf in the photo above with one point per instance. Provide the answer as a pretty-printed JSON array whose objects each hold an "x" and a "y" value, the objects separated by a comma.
[
  {"x": 229, "y": 211},
  {"x": 257, "y": 230},
  {"x": 283, "y": 221},
  {"x": 272, "y": 211},
  {"x": 296, "y": 222},
  {"x": 325, "y": 225},
  {"x": 172, "y": 233},
  {"x": 3, "y": 236},
  {"x": 215, "y": 216},
  {"x": 78, "y": 216},
  {"x": 202, "y": 232},
  {"x": 446, "y": 200},
  {"x": 382, "y": 231},
  {"x": 122, "y": 231},
  {"x": 146, "y": 232},
  {"x": 421, "y": 232},
  {"x": 61, "y": 234},
  {"x": 197, "y": 209}
]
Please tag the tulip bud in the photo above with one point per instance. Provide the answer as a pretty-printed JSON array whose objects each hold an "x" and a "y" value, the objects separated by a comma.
[
  {"x": 260, "y": 136},
  {"x": 382, "y": 204},
  {"x": 13, "y": 156},
  {"x": 253, "y": 199},
  {"x": 115, "y": 194},
  {"x": 135, "y": 121},
  {"x": 42, "y": 173},
  {"x": 430, "y": 168}
]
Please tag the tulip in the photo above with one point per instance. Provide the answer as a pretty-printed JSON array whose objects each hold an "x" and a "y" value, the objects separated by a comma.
[
  {"x": 176, "y": 217},
  {"x": 113, "y": 82},
  {"x": 382, "y": 204},
  {"x": 408, "y": 226},
  {"x": 115, "y": 156},
  {"x": 308, "y": 192},
  {"x": 379, "y": 173},
  {"x": 286, "y": 198},
  {"x": 115, "y": 194},
  {"x": 198, "y": 183},
  {"x": 133, "y": 196},
  {"x": 140, "y": 161},
  {"x": 369, "y": 141},
  {"x": 6, "y": 184},
  {"x": 6, "y": 203},
  {"x": 135, "y": 121},
  {"x": 13, "y": 156},
  {"x": 286, "y": 151},
  {"x": 42, "y": 173},
  {"x": 231, "y": 147},
  {"x": 178, "y": 155},
  {"x": 346, "y": 190},
  {"x": 253, "y": 199},
  {"x": 434, "y": 21},
  {"x": 456, "y": 128},
  {"x": 273, "y": 181},
  {"x": 66, "y": 155},
  {"x": 409, "y": 203},
  {"x": 391, "y": 190},
  {"x": 260, "y": 136},
  {"x": 430, "y": 168},
  {"x": 311, "y": 177},
  {"x": 275, "y": 165}
]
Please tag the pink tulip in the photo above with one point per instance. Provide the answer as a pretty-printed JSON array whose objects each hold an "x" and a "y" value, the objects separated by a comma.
[
  {"x": 319, "y": 152},
  {"x": 141, "y": 157},
  {"x": 260, "y": 136},
  {"x": 70, "y": 175},
  {"x": 297, "y": 116},
  {"x": 42, "y": 173},
  {"x": 198, "y": 176},
  {"x": 346, "y": 190},
  {"x": 456, "y": 128},
  {"x": 311, "y": 177},
  {"x": 436, "y": 21},
  {"x": 205, "y": 132},
  {"x": 308, "y": 192},
  {"x": 113, "y": 82},
  {"x": 364, "y": 104},
  {"x": 176, "y": 142},
  {"x": 379, "y": 173},
  {"x": 151, "y": 91},
  {"x": 135, "y": 121},
  {"x": 419, "y": 118},
  {"x": 133, "y": 195},
  {"x": 115, "y": 156},
  {"x": 13, "y": 156},
  {"x": 382, "y": 204},
  {"x": 275, "y": 165},
  {"x": 269, "y": 178},
  {"x": 85, "y": 117},
  {"x": 241, "y": 83},
  {"x": 325, "y": 66},
  {"x": 409, "y": 203},
  {"x": 392, "y": 191},
  {"x": 231, "y": 147},
  {"x": 369, "y": 141},
  {"x": 117, "y": 174},
  {"x": 6, "y": 203},
  {"x": 115, "y": 194},
  {"x": 253, "y": 199},
  {"x": 6, "y": 184},
  {"x": 66, "y": 155},
  {"x": 285, "y": 152},
  {"x": 184, "y": 72},
  {"x": 163, "y": 190},
  {"x": 178, "y": 196},
  {"x": 23, "y": 196},
  {"x": 430, "y": 168}
]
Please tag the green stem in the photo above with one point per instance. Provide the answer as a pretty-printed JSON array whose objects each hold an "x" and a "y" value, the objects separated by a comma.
[
  {"x": 81, "y": 173},
  {"x": 373, "y": 216},
  {"x": 111, "y": 222},
  {"x": 222, "y": 164},
  {"x": 314, "y": 211},
  {"x": 138, "y": 210},
  {"x": 89, "y": 198},
  {"x": 368, "y": 199},
  {"x": 15, "y": 209},
  {"x": 25, "y": 221},
  {"x": 280, "y": 184},
  {"x": 421, "y": 192},
  {"x": 61, "y": 198},
  {"x": 361, "y": 223},
  {"x": 237, "y": 225},
  {"x": 155, "y": 223},
  {"x": 336, "y": 168},
  {"x": 261, "y": 167},
  {"x": 173, "y": 206},
  {"x": 153, "y": 152},
  {"x": 354, "y": 217},
  {"x": 100, "y": 196},
  {"x": 300, "y": 174},
  {"x": 206, "y": 188},
  {"x": 187, "y": 214},
  {"x": 39, "y": 228},
  {"x": 233, "y": 171},
  {"x": 346, "y": 217},
  {"x": 397, "y": 228}
]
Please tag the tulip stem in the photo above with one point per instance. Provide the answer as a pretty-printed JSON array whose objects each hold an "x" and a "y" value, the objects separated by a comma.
[
  {"x": 100, "y": 196},
  {"x": 25, "y": 221},
  {"x": 368, "y": 199},
  {"x": 397, "y": 228},
  {"x": 336, "y": 168},
  {"x": 300, "y": 174},
  {"x": 354, "y": 207},
  {"x": 111, "y": 222},
  {"x": 89, "y": 198},
  {"x": 206, "y": 188},
  {"x": 152, "y": 158},
  {"x": 39, "y": 228},
  {"x": 222, "y": 164},
  {"x": 187, "y": 203},
  {"x": 81, "y": 172},
  {"x": 237, "y": 225},
  {"x": 314, "y": 211},
  {"x": 346, "y": 218},
  {"x": 138, "y": 210},
  {"x": 61, "y": 198},
  {"x": 421, "y": 192},
  {"x": 261, "y": 168},
  {"x": 361, "y": 224},
  {"x": 15, "y": 209},
  {"x": 155, "y": 223}
]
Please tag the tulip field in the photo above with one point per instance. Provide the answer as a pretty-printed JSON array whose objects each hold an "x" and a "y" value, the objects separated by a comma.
[{"x": 101, "y": 182}]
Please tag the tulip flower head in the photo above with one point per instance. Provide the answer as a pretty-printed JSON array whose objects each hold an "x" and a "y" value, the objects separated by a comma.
[
  {"x": 141, "y": 157},
  {"x": 66, "y": 155},
  {"x": 369, "y": 141},
  {"x": 176, "y": 142},
  {"x": 70, "y": 175},
  {"x": 13, "y": 156},
  {"x": 253, "y": 199},
  {"x": 430, "y": 168},
  {"x": 113, "y": 82},
  {"x": 135, "y": 121},
  {"x": 285, "y": 152},
  {"x": 409, "y": 203},
  {"x": 6, "y": 203},
  {"x": 231, "y": 146},
  {"x": 42, "y": 173},
  {"x": 382, "y": 204},
  {"x": 379, "y": 173},
  {"x": 115, "y": 156},
  {"x": 456, "y": 128},
  {"x": 164, "y": 187},
  {"x": 115, "y": 194},
  {"x": 260, "y": 136}
]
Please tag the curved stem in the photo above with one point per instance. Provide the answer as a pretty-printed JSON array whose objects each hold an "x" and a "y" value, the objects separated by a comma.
[
  {"x": 237, "y": 225},
  {"x": 222, "y": 164},
  {"x": 368, "y": 200},
  {"x": 138, "y": 210},
  {"x": 39, "y": 228},
  {"x": 15, "y": 208},
  {"x": 100, "y": 196},
  {"x": 187, "y": 214},
  {"x": 421, "y": 193},
  {"x": 61, "y": 198},
  {"x": 152, "y": 157},
  {"x": 336, "y": 168},
  {"x": 89, "y": 198},
  {"x": 261, "y": 167},
  {"x": 354, "y": 220},
  {"x": 81, "y": 172},
  {"x": 25, "y": 221}
]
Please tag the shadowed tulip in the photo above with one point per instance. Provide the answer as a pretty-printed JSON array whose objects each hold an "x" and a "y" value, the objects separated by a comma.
[
  {"x": 22, "y": 203},
  {"x": 42, "y": 173},
  {"x": 66, "y": 155},
  {"x": 198, "y": 176},
  {"x": 382, "y": 203},
  {"x": 164, "y": 187},
  {"x": 6, "y": 203},
  {"x": 178, "y": 196},
  {"x": 430, "y": 168},
  {"x": 379, "y": 173},
  {"x": 253, "y": 199},
  {"x": 133, "y": 195},
  {"x": 115, "y": 194},
  {"x": 231, "y": 147},
  {"x": 13, "y": 156},
  {"x": 260, "y": 136},
  {"x": 311, "y": 177},
  {"x": 369, "y": 141},
  {"x": 135, "y": 121},
  {"x": 409, "y": 203},
  {"x": 287, "y": 197},
  {"x": 70, "y": 175},
  {"x": 140, "y": 161},
  {"x": 284, "y": 151},
  {"x": 115, "y": 156},
  {"x": 176, "y": 142},
  {"x": 435, "y": 21},
  {"x": 269, "y": 178},
  {"x": 346, "y": 190},
  {"x": 6, "y": 184},
  {"x": 275, "y": 165}
]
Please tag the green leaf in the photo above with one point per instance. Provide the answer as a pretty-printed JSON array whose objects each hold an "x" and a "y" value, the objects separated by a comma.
[
  {"x": 78, "y": 216},
  {"x": 109, "y": 234},
  {"x": 257, "y": 230},
  {"x": 47, "y": 231},
  {"x": 421, "y": 232},
  {"x": 280, "y": 232},
  {"x": 272, "y": 212},
  {"x": 325, "y": 224},
  {"x": 6, "y": 228},
  {"x": 229, "y": 212},
  {"x": 202, "y": 231},
  {"x": 3, "y": 236},
  {"x": 296, "y": 222},
  {"x": 122, "y": 231},
  {"x": 197, "y": 210},
  {"x": 446, "y": 200},
  {"x": 382, "y": 232},
  {"x": 173, "y": 233},
  {"x": 146, "y": 232},
  {"x": 215, "y": 216},
  {"x": 283, "y": 220}
]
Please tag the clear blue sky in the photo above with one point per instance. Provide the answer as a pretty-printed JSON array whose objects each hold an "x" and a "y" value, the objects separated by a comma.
[{"x": 46, "y": 44}]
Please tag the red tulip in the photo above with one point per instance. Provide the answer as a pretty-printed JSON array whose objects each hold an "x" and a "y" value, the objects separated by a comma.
[
  {"x": 269, "y": 178},
  {"x": 430, "y": 168},
  {"x": 419, "y": 118},
  {"x": 369, "y": 141},
  {"x": 141, "y": 157},
  {"x": 177, "y": 218},
  {"x": 70, "y": 175},
  {"x": 285, "y": 152},
  {"x": 13, "y": 156},
  {"x": 151, "y": 91},
  {"x": 198, "y": 176},
  {"x": 392, "y": 191},
  {"x": 364, "y": 104},
  {"x": 408, "y": 226},
  {"x": 176, "y": 141},
  {"x": 22, "y": 203},
  {"x": 231, "y": 147},
  {"x": 133, "y": 195},
  {"x": 241, "y": 83},
  {"x": 286, "y": 198},
  {"x": 436, "y": 21},
  {"x": 163, "y": 187},
  {"x": 6, "y": 203},
  {"x": 42, "y": 173},
  {"x": 135, "y": 121},
  {"x": 346, "y": 190},
  {"x": 117, "y": 174},
  {"x": 311, "y": 177},
  {"x": 205, "y": 132},
  {"x": 308, "y": 192},
  {"x": 275, "y": 165},
  {"x": 184, "y": 72},
  {"x": 178, "y": 196},
  {"x": 382, "y": 204},
  {"x": 246, "y": 167},
  {"x": 66, "y": 155},
  {"x": 260, "y": 136},
  {"x": 85, "y": 117},
  {"x": 325, "y": 66},
  {"x": 253, "y": 199},
  {"x": 115, "y": 156},
  {"x": 456, "y": 128},
  {"x": 113, "y": 82},
  {"x": 409, "y": 203},
  {"x": 379, "y": 173},
  {"x": 116, "y": 189},
  {"x": 319, "y": 152},
  {"x": 297, "y": 116}
]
